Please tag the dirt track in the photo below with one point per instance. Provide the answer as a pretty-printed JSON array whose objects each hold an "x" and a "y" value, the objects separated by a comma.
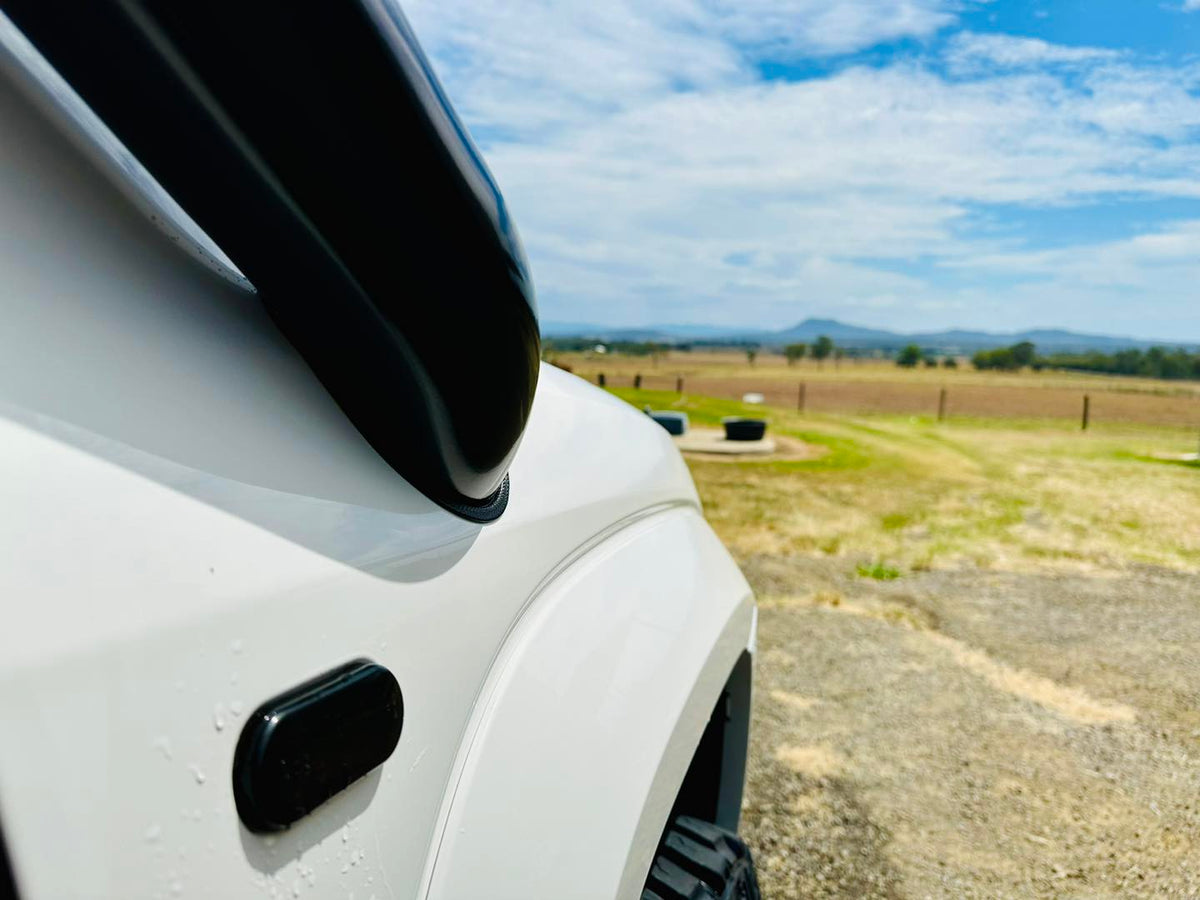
[{"x": 975, "y": 734}]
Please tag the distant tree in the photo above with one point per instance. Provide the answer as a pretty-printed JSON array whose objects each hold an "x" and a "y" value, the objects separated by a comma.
[
  {"x": 909, "y": 356},
  {"x": 822, "y": 348},
  {"x": 949, "y": 362},
  {"x": 1001, "y": 358},
  {"x": 657, "y": 351},
  {"x": 795, "y": 352},
  {"x": 751, "y": 354},
  {"x": 1006, "y": 359},
  {"x": 1023, "y": 354},
  {"x": 838, "y": 353},
  {"x": 931, "y": 362}
]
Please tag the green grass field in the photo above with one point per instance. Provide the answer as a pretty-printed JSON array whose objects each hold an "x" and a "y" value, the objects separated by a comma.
[{"x": 911, "y": 493}]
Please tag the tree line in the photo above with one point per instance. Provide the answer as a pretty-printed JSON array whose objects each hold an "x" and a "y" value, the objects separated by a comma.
[
  {"x": 1156, "y": 362},
  {"x": 1007, "y": 359},
  {"x": 822, "y": 348},
  {"x": 912, "y": 356},
  {"x": 629, "y": 348}
]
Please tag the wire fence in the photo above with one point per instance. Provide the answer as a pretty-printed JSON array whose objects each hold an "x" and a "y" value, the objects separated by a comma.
[{"x": 1086, "y": 407}]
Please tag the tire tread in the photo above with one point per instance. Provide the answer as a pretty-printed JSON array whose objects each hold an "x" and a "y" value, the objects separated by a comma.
[{"x": 698, "y": 860}]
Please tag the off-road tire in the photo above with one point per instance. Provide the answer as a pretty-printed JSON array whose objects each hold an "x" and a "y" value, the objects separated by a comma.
[{"x": 699, "y": 861}]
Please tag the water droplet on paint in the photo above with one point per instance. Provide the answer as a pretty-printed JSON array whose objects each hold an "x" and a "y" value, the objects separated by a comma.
[
  {"x": 162, "y": 744},
  {"x": 235, "y": 708},
  {"x": 197, "y": 773},
  {"x": 219, "y": 717},
  {"x": 153, "y": 833},
  {"x": 235, "y": 646}
]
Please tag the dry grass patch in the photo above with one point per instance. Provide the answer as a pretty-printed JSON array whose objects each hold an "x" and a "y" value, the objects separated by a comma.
[
  {"x": 813, "y": 760},
  {"x": 794, "y": 701},
  {"x": 1067, "y": 701}
]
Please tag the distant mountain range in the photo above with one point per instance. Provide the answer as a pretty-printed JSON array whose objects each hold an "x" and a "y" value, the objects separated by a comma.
[{"x": 855, "y": 336}]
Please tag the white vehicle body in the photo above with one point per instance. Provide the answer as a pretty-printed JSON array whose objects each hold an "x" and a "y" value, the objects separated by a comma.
[{"x": 190, "y": 525}]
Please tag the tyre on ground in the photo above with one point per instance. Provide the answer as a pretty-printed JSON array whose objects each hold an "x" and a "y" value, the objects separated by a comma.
[{"x": 700, "y": 861}]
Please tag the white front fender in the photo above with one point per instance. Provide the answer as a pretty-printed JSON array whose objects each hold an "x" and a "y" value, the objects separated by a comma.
[{"x": 590, "y": 716}]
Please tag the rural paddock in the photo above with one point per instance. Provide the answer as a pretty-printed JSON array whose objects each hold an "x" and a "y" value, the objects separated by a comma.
[
  {"x": 879, "y": 386},
  {"x": 1020, "y": 400}
]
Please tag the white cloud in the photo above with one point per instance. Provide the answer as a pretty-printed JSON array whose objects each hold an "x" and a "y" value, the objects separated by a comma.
[
  {"x": 1191, "y": 5},
  {"x": 1174, "y": 249},
  {"x": 506, "y": 62},
  {"x": 794, "y": 27},
  {"x": 1143, "y": 285},
  {"x": 656, "y": 177},
  {"x": 970, "y": 50}
]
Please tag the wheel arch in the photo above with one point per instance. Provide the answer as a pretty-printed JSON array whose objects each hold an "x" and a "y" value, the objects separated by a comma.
[
  {"x": 711, "y": 789},
  {"x": 591, "y": 717}
]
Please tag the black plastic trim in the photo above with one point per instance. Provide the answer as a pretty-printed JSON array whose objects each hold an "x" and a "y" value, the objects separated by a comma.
[
  {"x": 313, "y": 144},
  {"x": 304, "y": 746}
]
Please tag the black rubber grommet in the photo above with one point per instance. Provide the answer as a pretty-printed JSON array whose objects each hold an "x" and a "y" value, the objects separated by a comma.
[{"x": 488, "y": 510}]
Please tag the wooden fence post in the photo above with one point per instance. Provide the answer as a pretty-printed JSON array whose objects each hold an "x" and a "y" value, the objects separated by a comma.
[
  {"x": 637, "y": 381},
  {"x": 800, "y": 398},
  {"x": 942, "y": 405},
  {"x": 679, "y": 385},
  {"x": 1087, "y": 402},
  {"x": 600, "y": 379}
]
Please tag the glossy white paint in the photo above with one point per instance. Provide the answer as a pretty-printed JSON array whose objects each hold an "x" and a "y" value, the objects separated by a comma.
[
  {"x": 606, "y": 684},
  {"x": 189, "y": 525},
  {"x": 22, "y": 60}
]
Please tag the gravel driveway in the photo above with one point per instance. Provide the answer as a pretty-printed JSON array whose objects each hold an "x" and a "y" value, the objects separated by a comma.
[{"x": 975, "y": 734}]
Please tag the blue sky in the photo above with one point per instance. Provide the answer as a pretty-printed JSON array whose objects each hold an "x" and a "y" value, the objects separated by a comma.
[{"x": 911, "y": 164}]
